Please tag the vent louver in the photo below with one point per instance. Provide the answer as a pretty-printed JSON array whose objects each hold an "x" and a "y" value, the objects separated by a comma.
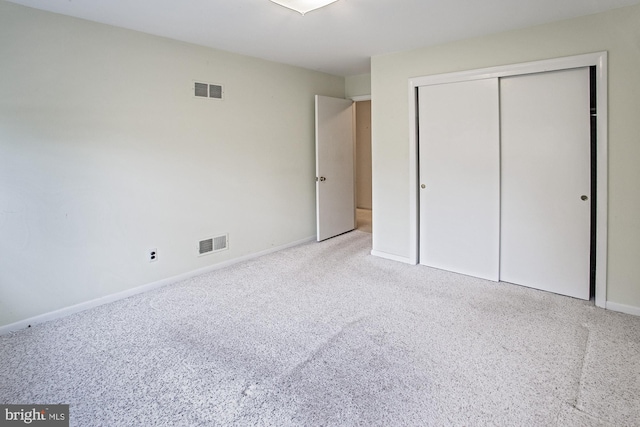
[
  {"x": 215, "y": 91},
  {"x": 207, "y": 90},
  {"x": 213, "y": 244},
  {"x": 201, "y": 89},
  {"x": 206, "y": 246},
  {"x": 219, "y": 243}
]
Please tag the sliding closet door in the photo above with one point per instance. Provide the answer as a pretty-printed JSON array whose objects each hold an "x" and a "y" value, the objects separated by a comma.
[
  {"x": 545, "y": 190},
  {"x": 460, "y": 177}
]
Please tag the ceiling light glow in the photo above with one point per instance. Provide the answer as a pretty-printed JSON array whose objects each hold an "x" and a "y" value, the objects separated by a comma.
[{"x": 303, "y": 6}]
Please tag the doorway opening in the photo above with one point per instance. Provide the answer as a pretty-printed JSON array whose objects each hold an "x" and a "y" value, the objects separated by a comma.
[{"x": 363, "y": 165}]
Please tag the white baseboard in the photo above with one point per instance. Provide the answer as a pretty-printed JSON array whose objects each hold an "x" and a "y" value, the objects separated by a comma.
[
  {"x": 622, "y": 308},
  {"x": 392, "y": 257},
  {"x": 66, "y": 311}
]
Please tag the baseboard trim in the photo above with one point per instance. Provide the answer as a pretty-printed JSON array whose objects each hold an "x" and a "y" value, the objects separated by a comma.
[
  {"x": 67, "y": 311},
  {"x": 392, "y": 257},
  {"x": 622, "y": 308}
]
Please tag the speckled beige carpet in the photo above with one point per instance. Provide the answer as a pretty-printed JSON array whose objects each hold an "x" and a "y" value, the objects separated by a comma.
[{"x": 325, "y": 334}]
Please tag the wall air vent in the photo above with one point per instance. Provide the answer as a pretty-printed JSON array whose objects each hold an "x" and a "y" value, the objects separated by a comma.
[
  {"x": 207, "y": 90},
  {"x": 213, "y": 244}
]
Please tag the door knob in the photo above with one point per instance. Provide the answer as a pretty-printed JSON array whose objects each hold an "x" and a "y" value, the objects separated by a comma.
[
  {"x": 583, "y": 197},
  {"x": 322, "y": 178},
  {"x": 423, "y": 186}
]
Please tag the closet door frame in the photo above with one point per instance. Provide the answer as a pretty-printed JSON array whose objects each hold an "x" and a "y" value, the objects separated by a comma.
[{"x": 597, "y": 60}]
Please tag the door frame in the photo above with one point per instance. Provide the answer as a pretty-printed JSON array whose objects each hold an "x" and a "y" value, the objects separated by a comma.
[{"x": 597, "y": 60}]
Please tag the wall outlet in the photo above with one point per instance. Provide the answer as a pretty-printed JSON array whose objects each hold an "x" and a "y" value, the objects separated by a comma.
[{"x": 152, "y": 255}]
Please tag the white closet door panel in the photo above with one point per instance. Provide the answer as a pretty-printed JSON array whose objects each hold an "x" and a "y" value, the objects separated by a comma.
[
  {"x": 545, "y": 225},
  {"x": 459, "y": 168}
]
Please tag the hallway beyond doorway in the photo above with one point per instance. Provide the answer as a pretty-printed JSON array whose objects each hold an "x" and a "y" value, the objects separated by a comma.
[{"x": 363, "y": 220}]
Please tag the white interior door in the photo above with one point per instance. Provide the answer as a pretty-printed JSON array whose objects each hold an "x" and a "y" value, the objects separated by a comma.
[
  {"x": 546, "y": 172},
  {"x": 335, "y": 173},
  {"x": 460, "y": 177}
]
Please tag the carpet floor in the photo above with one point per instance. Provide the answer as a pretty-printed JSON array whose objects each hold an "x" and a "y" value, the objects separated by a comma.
[{"x": 324, "y": 334}]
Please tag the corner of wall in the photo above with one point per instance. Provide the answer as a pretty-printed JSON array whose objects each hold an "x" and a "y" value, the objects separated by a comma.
[{"x": 358, "y": 85}]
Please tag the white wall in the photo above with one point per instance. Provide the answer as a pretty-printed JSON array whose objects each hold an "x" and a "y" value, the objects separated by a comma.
[
  {"x": 617, "y": 32},
  {"x": 104, "y": 153},
  {"x": 357, "y": 85}
]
